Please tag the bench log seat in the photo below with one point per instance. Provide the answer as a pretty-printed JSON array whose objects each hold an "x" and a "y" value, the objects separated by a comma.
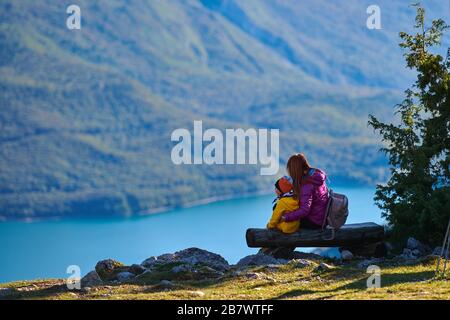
[{"x": 349, "y": 236}]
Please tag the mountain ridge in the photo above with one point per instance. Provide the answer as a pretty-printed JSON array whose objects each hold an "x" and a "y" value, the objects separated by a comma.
[{"x": 86, "y": 115}]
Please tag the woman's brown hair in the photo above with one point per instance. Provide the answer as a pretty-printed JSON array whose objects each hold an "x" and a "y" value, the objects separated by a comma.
[{"x": 297, "y": 166}]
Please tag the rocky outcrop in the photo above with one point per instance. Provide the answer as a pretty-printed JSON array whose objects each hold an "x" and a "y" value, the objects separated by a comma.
[
  {"x": 198, "y": 264},
  {"x": 189, "y": 257}
]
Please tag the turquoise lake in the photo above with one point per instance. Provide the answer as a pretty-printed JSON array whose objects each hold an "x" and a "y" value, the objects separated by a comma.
[{"x": 45, "y": 249}]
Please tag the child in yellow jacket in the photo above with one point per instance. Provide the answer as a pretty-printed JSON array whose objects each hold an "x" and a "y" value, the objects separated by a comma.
[{"x": 284, "y": 203}]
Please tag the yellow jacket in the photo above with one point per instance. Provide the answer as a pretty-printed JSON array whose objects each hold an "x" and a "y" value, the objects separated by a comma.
[{"x": 283, "y": 206}]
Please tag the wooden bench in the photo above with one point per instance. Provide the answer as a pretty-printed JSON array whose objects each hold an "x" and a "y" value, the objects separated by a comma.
[{"x": 361, "y": 238}]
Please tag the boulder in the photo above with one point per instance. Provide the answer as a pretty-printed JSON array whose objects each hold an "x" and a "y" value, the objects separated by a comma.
[
  {"x": 323, "y": 267},
  {"x": 181, "y": 268},
  {"x": 253, "y": 275},
  {"x": 137, "y": 269},
  {"x": 346, "y": 255},
  {"x": 407, "y": 254},
  {"x": 190, "y": 256},
  {"x": 417, "y": 248},
  {"x": 200, "y": 294},
  {"x": 260, "y": 259},
  {"x": 108, "y": 269},
  {"x": 92, "y": 279},
  {"x": 124, "y": 276},
  {"x": 300, "y": 263}
]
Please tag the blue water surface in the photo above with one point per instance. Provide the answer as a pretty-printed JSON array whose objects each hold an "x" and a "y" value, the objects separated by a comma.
[{"x": 45, "y": 249}]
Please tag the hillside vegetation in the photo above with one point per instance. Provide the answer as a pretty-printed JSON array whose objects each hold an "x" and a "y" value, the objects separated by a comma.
[{"x": 86, "y": 116}]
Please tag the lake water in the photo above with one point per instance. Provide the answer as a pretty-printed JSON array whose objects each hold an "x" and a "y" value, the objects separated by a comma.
[{"x": 45, "y": 249}]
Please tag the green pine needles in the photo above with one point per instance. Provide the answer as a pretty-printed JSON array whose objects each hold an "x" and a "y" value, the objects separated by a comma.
[{"x": 416, "y": 199}]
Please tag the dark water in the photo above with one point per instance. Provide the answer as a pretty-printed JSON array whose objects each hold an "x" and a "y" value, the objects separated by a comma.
[{"x": 46, "y": 249}]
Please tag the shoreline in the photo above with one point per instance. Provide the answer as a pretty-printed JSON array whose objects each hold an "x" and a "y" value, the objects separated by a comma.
[
  {"x": 157, "y": 210},
  {"x": 202, "y": 202},
  {"x": 142, "y": 214}
]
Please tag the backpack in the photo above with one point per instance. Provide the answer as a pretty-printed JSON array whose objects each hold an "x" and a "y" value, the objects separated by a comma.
[{"x": 336, "y": 213}]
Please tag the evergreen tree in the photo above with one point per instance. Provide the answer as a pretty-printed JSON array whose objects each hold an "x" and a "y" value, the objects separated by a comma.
[{"x": 416, "y": 199}]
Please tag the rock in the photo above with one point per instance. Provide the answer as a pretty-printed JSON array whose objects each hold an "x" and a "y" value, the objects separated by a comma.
[
  {"x": 346, "y": 255},
  {"x": 150, "y": 262},
  {"x": 252, "y": 275},
  {"x": 92, "y": 279},
  {"x": 166, "y": 284},
  {"x": 181, "y": 268},
  {"x": 198, "y": 256},
  {"x": 191, "y": 256},
  {"x": 208, "y": 272},
  {"x": 259, "y": 259},
  {"x": 417, "y": 248},
  {"x": 365, "y": 263},
  {"x": 86, "y": 289},
  {"x": 412, "y": 243},
  {"x": 200, "y": 294},
  {"x": 124, "y": 276},
  {"x": 274, "y": 266},
  {"x": 137, "y": 269},
  {"x": 323, "y": 267},
  {"x": 438, "y": 250},
  {"x": 6, "y": 292},
  {"x": 300, "y": 263},
  {"x": 108, "y": 269},
  {"x": 409, "y": 254}
]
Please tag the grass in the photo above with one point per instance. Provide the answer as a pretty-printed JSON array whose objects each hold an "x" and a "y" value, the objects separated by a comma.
[{"x": 414, "y": 281}]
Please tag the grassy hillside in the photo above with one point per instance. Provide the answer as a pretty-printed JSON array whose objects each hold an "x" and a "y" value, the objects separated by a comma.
[
  {"x": 398, "y": 281},
  {"x": 86, "y": 116}
]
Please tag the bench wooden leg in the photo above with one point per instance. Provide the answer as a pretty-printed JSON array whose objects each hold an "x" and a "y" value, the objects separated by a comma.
[
  {"x": 376, "y": 250},
  {"x": 279, "y": 253}
]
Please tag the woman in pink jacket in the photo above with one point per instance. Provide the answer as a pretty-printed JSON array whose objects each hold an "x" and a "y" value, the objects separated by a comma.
[{"x": 311, "y": 191}]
